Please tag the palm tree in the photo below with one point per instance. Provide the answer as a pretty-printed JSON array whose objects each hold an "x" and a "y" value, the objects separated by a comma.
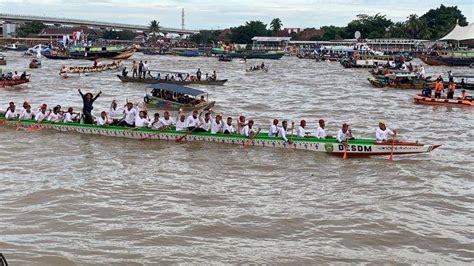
[
  {"x": 154, "y": 26},
  {"x": 416, "y": 27},
  {"x": 276, "y": 25}
]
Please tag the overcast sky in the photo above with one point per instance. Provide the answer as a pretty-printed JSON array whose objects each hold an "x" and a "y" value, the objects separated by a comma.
[{"x": 219, "y": 14}]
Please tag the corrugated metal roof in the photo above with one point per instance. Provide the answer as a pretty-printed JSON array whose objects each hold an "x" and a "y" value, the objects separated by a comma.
[
  {"x": 177, "y": 89},
  {"x": 270, "y": 39}
]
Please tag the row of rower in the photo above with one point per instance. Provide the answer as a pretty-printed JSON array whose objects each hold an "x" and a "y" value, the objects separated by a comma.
[{"x": 132, "y": 116}]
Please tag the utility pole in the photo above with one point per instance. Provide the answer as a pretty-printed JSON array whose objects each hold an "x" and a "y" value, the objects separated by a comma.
[{"x": 182, "y": 18}]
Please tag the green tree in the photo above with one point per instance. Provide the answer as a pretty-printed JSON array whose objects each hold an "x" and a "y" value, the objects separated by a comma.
[
  {"x": 332, "y": 32},
  {"x": 154, "y": 26},
  {"x": 442, "y": 20},
  {"x": 369, "y": 26},
  {"x": 397, "y": 30},
  {"x": 206, "y": 37},
  {"x": 275, "y": 25},
  {"x": 416, "y": 28},
  {"x": 30, "y": 28},
  {"x": 245, "y": 33}
]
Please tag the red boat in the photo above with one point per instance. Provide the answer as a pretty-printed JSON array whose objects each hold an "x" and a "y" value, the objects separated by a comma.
[{"x": 4, "y": 83}]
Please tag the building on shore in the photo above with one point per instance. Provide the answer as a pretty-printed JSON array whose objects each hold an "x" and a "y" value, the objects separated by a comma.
[
  {"x": 382, "y": 45},
  {"x": 270, "y": 43}
]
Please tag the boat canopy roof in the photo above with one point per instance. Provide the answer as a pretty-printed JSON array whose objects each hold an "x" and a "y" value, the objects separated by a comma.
[{"x": 177, "y": 89}]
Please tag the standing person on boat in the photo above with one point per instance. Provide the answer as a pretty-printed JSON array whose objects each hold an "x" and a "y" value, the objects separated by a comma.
[
  {"x": 228, "y": 127},
  {"x": 248, "y": 131},
  {"x": 167, "y": 121},
  {"x": 88, "y": 100},
  {"x": 134, "y": 69},
  {"x": 463, "y": 84},
  {"x": 124, "y": 72},
  {"x": 273, "y": 131},
  {"x": 198, "y": 74},
  {"x": 301, "y": 131},
  {"x": 439, "y": 88},
  {"x": 11, "y": 112},
  {"x": 140, "y": 69},
  {"x": 382, "y": 133},
  {"x": 344, "y": 133},
  {"x": 321, "y": 130},
  {"x": 193, "y": 121},
  {"x": 145, "y": 69},
  {"x": 451, "y": 89},
  {"x": 450, "y": 76},
  {"x": 128, "y": 116},
  {"x": 283, "y": 131}
]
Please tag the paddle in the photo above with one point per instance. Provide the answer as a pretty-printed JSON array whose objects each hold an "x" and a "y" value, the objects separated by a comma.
[
  {"x": 393, "y": 147},
  {"x": 247, "y": 143},
  {"x": 188, "y": 133},
  {"x": 291, "y": 136},
  {"x": 346, "y": 144}
]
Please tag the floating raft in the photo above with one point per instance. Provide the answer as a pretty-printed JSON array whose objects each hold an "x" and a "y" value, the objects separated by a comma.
[{"x": 355, "y": 148}]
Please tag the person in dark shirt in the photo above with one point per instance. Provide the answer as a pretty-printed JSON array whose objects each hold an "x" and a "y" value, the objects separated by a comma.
[{"x": 88, "y": 99}]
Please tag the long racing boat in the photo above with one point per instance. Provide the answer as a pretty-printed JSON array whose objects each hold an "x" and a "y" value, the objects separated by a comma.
[{"x": 354, "y": 148}]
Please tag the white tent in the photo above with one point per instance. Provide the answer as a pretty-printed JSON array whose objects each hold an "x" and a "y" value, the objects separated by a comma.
[{"x": 460, "y": 33}]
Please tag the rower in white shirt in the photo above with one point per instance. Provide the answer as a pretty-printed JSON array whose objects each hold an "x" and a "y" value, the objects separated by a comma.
[
  {"x": 248, "y": 130},
  {"x": 69, "y": 116},
  {"x": 273, "y": 131},
  {"x": 301, "y": 131},
  {"x": 382, "y": 133},
  {"x": 42, "y": 114},
  {"x": 181, "y": 123},
  {"x": 129, "y": 116},
  {"x": 167, "y": 121},
  {"x": 344, "y": 133},
  {"x": 205, "y": 124},
  {"x": 228, "y": 128},
  {"x": 11, "y": 112},
  {"x": 142, "y": 120},
  {"x": 193, "y": 120},
  {"x": 282, "y": 132},
  {"x": 217, "y": 124},
  {"x": 55, "y": 116},
  {"x": 104, "y": 119},
  {"x": 115, "y": 112},
  {"x": 321, "y": 130},
  {"x": 26, "y": 113},
  {"x": 156, "y": 123}
]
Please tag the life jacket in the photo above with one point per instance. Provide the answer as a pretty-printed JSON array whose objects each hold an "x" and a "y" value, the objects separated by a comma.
[{"x": 439, "y": 87}]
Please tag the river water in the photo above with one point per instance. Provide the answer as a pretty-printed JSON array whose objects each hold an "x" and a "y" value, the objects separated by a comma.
[{"x": 67, "y": 198}]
